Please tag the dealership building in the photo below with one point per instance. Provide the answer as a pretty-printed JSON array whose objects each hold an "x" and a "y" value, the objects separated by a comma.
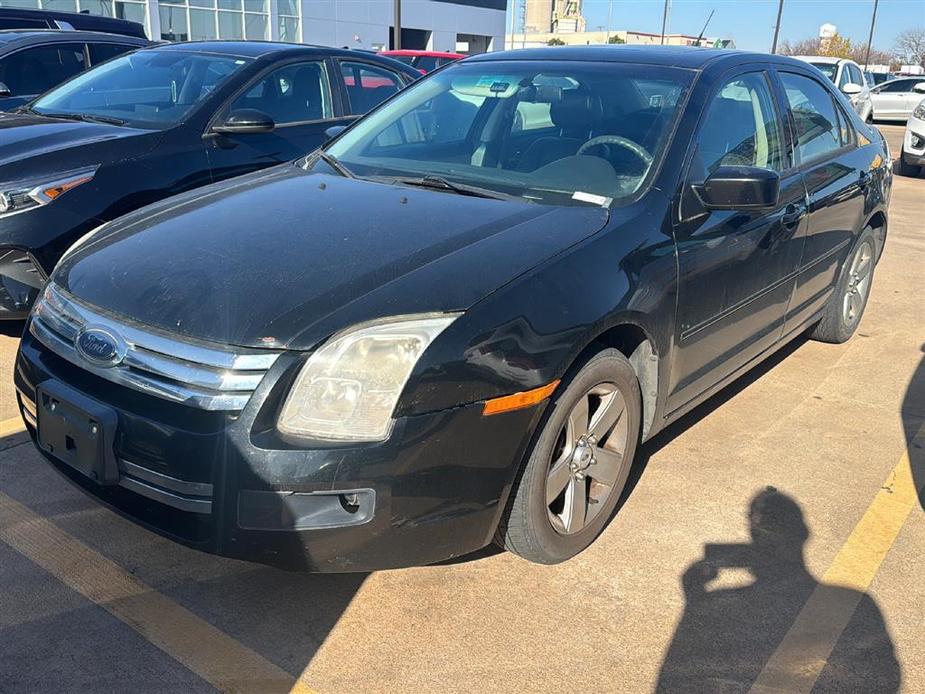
[{"x": 470, "y": 26}]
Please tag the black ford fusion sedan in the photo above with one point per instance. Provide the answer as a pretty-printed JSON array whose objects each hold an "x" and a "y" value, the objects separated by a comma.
[
  {"x": 158, "y": 122},
  {"x": 457, "y": 322}
]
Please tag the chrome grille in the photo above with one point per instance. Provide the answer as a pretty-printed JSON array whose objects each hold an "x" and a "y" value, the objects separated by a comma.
[{"x": 210, "y": 378}]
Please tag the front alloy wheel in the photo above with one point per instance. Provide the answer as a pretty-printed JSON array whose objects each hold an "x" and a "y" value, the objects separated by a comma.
[
  {"x": 579, "y": 464},
  {"x": 588, "y": 459}
]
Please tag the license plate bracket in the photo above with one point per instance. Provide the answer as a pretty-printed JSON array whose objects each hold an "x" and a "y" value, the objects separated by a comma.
[{"x": 77, "y": 430}]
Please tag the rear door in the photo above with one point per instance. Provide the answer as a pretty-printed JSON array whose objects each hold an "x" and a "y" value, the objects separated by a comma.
[
  {"x": 890, "y": 99},
  {"x": 298, "y": 97},
  {"x": 834, "y": 170},
  {"x": 736, "y": 267}
]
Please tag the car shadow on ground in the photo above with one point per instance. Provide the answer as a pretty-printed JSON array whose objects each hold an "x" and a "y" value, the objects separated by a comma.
[
  {"x": 12, "y": 328},
  {"x": 913, "y": 416},
  {"x": 731, "y": 628}
]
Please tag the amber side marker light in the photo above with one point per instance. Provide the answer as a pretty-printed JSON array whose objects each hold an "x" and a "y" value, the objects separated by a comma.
[
  {"x": 55, "y": 191},
  {"x": 518, "y": 401}
]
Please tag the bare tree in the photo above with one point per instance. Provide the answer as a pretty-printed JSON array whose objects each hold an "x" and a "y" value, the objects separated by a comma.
[
  {"x": 804, "y": 47},
  {"x": 909, "y": 48}
]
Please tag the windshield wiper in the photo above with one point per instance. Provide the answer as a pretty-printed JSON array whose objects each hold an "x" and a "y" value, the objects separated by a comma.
[
  {"x": 85, "y": 117},
  {"x": 441, "y": 183},
  {"x": 335, "y": 164}
]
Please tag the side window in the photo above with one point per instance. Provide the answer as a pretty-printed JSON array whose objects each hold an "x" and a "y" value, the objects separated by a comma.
[
  {"x": 814, "y": 117},
  {"x": 856, "y": 76},
  {"x": 844, "y": 77},
  {"x": 368, "y": 85},
  {"x": 101, "y": 52},
  {"x": 845, "y": 131},
  {"x": 291, "y": 94},
  {"x": 741, "y": 128},
  {"x": 897, "y": 86},
  {"x": 36, "y": 70},
  {"x": 426, "y": 62}
]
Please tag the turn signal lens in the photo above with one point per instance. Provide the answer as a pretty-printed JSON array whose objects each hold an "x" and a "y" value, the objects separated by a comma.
[
  {"x": 20, "y": 196},
  {"x": 54, "y": 191},
  {"x": 519, "y": 401}
]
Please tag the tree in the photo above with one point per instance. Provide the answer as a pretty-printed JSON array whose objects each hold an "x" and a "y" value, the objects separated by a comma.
[
  {"x": 555, "y": 42},
  {"x": 909, "y": 48},
  {"x": 836, "y": 47},
  {"x": 615, "y": 39},
  {"x": 804, "y": 47}
]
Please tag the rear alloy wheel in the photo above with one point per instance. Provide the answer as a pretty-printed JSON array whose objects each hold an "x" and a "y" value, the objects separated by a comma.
[
  {"x": 846, "y": 306},
  {"x": 579, "y": 465}
]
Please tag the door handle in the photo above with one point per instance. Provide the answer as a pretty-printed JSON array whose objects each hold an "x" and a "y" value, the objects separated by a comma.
[{"x": 792, "y": 215}]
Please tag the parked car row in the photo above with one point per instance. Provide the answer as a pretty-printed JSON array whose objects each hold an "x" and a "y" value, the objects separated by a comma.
[
  {"x": 157, "y": 122},
  {"x": 882, "y": 100},
  {"x": 452, "y": 323}
]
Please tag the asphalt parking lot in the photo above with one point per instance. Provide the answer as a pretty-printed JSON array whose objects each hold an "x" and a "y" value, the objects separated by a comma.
[{"x": 773, "y": 541}]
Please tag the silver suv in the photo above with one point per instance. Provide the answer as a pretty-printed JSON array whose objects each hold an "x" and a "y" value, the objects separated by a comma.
[{"x": 847, "y": 76}]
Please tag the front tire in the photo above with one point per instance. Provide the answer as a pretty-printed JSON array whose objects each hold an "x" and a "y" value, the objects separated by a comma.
[
  {"x": 846, "y": 306},
  {"x": 579, "y": 464}
]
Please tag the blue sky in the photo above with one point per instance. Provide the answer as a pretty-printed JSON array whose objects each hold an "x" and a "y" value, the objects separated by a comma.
[{"x": 751, "y": 22}]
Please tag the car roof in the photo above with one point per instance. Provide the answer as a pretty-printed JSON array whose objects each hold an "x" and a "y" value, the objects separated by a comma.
[
  {"x": 280, "y": 49},
  {"x": 19, "y": 37},
  {"x": 690, "y": 57},
  {"x": 822, "y": 59},
  {"x": 424, "y": 54}
]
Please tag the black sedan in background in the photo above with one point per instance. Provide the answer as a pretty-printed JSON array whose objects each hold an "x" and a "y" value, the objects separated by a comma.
[
  {"x": 457, "y": 322},
  {"x": 160, "y": 121},
  {"x": 32, "y": 62}
]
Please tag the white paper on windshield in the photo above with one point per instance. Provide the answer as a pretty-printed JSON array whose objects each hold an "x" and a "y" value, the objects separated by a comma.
[{"x": 601, "y": 200}]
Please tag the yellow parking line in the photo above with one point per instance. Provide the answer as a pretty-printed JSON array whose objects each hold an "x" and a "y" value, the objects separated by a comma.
[
  {"x": 212, "y": 654},
  {"x": 799, "y": 659},
  {"x": 13, "y": 425}
]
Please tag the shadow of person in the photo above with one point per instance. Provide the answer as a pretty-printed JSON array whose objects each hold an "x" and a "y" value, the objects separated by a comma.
[
  {"x": 741, "y": 600},
  {"x": 913, "y": 416}
]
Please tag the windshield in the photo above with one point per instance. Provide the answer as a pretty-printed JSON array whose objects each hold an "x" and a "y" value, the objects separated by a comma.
[
  {"x": 152, "y": 89},
  {"x": 827, "y": 69},
  {"x": 551, "y": 132}
]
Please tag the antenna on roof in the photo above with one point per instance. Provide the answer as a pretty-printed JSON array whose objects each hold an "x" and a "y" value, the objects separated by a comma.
[{"x": 705, "y": 27}]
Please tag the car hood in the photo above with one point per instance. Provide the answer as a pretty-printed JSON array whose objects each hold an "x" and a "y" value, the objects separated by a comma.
[
  {"x": 286, "y": 257},
  {"x": 25, "y": 137}
]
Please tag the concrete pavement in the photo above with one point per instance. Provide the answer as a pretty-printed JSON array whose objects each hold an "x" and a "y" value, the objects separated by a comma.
[{"x": 754, "y": 506}]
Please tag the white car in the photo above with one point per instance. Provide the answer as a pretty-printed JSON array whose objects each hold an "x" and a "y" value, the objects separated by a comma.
[
  {"x": 847, "y": 76},
  {"x": 896, "y": 99},
  {"x": 912, "y": 155}
]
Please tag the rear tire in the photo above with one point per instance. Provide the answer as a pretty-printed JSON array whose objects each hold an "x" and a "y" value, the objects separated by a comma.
[
  {"x": 585, "y": 448},
  {"x": 846, "y": 306}
]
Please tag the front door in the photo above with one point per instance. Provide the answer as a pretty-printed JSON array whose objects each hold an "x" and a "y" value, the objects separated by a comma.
[
  {"x": 736, "y": 268},
  {"x": 297, "y": 96}
]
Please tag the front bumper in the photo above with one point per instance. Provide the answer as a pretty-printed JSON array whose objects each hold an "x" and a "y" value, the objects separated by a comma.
[
  {"x": 913, "y": 151},
  {"x": 227, "y": 483}
]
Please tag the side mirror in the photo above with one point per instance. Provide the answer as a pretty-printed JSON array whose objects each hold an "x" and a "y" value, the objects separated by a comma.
[
  {"x": 334, "y": 131},
  {"x": 919, "y": 87},
  {"x": 5, "y": 91},
  {"x": 740, "y": 188},
  {"x": 246, "y": 120},
  {"x": 851, "y": 89}
]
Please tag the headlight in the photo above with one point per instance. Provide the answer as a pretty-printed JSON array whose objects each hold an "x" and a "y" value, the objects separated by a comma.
[
  {"x": 20, "y": 196},
  {"x": 919, "y": 112},
  {"x": 348, "y": 389}
]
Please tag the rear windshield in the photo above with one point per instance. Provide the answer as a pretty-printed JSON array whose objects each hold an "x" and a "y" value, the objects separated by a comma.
[{"x": 560, "y": 133}]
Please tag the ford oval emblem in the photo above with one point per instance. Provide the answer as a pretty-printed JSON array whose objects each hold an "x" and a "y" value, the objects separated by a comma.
[{"x": 100, "y": 346}]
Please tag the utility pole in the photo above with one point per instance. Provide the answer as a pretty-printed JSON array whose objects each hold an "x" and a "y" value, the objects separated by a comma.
[
  {"x": 513, "y": 16},
  {"x": 609, "y": 19},
  {"x": 523, "y": 22},
  {"x": 396, "y": 32},
  {"x": 870, "y": 38},
  {"x": 664, "y": 21},
  {"x": 780, "y": 11}
]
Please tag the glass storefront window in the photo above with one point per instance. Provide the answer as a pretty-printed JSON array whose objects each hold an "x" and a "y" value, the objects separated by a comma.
[
  {"x": 255, "y": 27},
  {"x": 230, "y": 25},
  {"x": 289, "y": 29}
]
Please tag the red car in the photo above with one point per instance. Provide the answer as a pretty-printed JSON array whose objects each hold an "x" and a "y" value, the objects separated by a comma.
[{"x": 425, "y": 61}]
